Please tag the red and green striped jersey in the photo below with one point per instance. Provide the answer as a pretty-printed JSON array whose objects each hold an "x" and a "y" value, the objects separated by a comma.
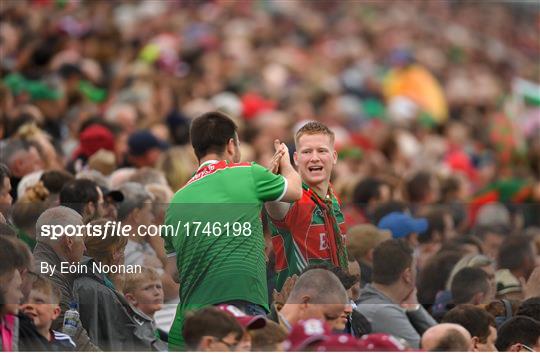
[
  {"x": 216, "y": 234},
  {"x": 312, "y": 232}
]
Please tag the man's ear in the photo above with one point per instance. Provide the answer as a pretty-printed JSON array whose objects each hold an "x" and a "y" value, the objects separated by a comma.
[
  {"x": 516, "y": 347},
  {"x": 334, "y": 155},
  {"x": 475, "y": 341},
  {"x": 205, "y": 344},
  {"x": 407, "y": 275},
  {"x": 478, "y": 298},
  {"x": 231, "y": 147},
  {"x": 67, "y": 242},
  {"x": 295, "y": 158},
  {"x": 369, "y": 255},
  {"x": 89, "y": 208}
]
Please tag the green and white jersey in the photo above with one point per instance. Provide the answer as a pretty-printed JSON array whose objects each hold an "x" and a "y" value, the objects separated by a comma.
[{"x": 214, "y": 228}]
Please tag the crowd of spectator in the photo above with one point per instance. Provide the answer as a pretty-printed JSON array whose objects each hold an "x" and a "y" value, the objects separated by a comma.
[{"x": 434, "y": 111}]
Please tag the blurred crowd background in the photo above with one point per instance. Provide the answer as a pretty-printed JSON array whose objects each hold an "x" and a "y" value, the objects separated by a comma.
[{"x": 435, "y": 106}]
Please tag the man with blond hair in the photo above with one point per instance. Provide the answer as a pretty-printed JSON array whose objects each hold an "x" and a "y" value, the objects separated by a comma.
[{"x": 311, "y": 230}]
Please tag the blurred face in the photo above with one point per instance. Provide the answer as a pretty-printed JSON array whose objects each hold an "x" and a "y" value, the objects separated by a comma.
[
  {"x": 30, "y": 163},
  {"x": 331, "y": 313},
  {"x": 40, "y": 309},
  {"x": 491, "y": 244},
  {"x": 338, "y": 325},
  {"x": 148, "y": 298},
  {"x": 144, "y": 215},
  {"x": 245, "y": 344},
  {"x": 214, "y": 344},
  {"x": 489, "y": 345},
  {"x": 5, "y": 196},
  {"x": 315, "y": 158},
  {"x": 12, "y": 293},
  {"x": 75, "y": 248}
]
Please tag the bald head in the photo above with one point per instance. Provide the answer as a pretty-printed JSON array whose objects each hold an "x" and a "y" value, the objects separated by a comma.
[
  {"x": 320, "y": 286},
  {"x": 446, "y": 338}
]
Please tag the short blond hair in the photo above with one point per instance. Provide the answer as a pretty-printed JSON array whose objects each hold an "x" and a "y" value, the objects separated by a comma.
[
  {"x": 42, "y": 284},
  {"x": 133, "y": 281},
  {"x": 314, "y": 128}
]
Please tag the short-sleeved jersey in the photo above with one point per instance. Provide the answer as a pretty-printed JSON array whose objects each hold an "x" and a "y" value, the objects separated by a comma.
[
  {"x": 214, "y": 228},
  {"x": 303, "y": 237}
]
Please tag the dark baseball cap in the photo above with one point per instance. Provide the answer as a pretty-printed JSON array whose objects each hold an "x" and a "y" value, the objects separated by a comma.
[{"x": 142, "y": 141}]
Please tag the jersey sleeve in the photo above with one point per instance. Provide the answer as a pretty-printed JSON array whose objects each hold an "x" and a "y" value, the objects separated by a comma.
[{"x": 268, "y": 186}]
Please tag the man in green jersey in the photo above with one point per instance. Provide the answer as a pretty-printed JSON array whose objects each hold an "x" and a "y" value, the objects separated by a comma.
[
  {"x": 214, "y": 231},
  {"x": 311, "y": 230}
]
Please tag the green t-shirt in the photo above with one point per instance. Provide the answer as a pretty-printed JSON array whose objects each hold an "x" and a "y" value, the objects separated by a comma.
[{"x": 215, "y": 230}]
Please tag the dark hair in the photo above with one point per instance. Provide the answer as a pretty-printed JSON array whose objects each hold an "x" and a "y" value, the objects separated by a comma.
[
  {"x": 9, "y": 256},
  {"x": 514, "y": 251},
  {"x": 418, "y": 186},
  {"x": 519, "y": 329},
  {"x": 530, "y": 308},
  {"x": 386, "y": 208},
  {"x": 54, "y": 180},
  {"x": 476, "y": 320},
  {"x": 435, "y": 218},
  {"x": 77, "y": 193},
  {"x": 467, "y": 282},
  {"x": 434, "y": 275},
  {"x": 452, "y": 341},
  {"x": 211, "y": 132},
  {"x": 390, "y": 259},
  {"x": 459, "y": 242},
  {"x": 209, "y": 321},
  {"x": 365, "y": 190}
]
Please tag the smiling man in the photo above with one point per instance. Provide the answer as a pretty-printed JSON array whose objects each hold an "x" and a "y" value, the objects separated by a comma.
[{"x": 310, "y": 230}]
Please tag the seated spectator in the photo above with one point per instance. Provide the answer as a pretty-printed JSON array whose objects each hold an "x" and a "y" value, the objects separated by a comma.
[
  {"x": 145, "y": 149},
  {"x": 5, "y": 190},
  {"x": 367, "y": 194},
  {"x": 362, "y": 240},
  {"x": 144, "y": 291},
  {"x": 247, "y": 322},
  {"x": 480, "y": 324},
  {"x": 317, "y": 294},
  {"x": 440, "y": 229},
  {"x": 136, "y": 210},
  {"x": 516, "y": 260},
  {"x": 50, "y": 253},
  {"x": 446, "y": 338},
  {"x": 530, "y": 308},
  {"x": 11, "y": 295},
  {"x": 269, "y": 338},
  {"x": 390, "y": 302},
  {"x": 104, "y": 312},
  {"x": 43, "y": 307},
  {"x": 471, "y": 286},
  {"x": 211, "y": 329},
  {"x": 83, "y": 196},
  {"x": 22, "y": 158},
  {"x": 519, "y": 334},
  {"x": 27, "y": 209},
  {"x": 432, "y": 279},
  {"x": 401, "y": 225}
]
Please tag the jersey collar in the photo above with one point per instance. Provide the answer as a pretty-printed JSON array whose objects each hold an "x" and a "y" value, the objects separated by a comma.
[{"x": 205, "y": 163}]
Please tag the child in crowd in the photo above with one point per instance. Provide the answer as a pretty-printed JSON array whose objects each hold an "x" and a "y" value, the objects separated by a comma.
[
  {"x": 144, "y": 291},
  {"x": 43, "y": 308}
]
